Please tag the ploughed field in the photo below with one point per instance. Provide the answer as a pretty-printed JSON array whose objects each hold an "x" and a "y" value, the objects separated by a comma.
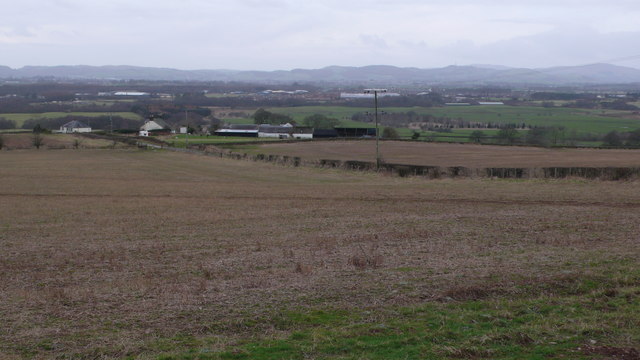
[
  {"x": 467, "y": 155},
  {"x": 116, "y": 253}
]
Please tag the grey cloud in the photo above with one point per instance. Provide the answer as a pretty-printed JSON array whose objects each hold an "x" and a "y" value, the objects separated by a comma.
[{"x": 281, "y": 34}]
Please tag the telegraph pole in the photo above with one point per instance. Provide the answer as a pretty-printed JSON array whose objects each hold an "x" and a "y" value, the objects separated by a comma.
[
  {"x": 375, "y": 101},
  {"x": 186, "y": 119}
]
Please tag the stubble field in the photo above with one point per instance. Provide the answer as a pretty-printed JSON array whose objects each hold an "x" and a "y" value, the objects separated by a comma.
[
  {"x": 142, "y": 254},
  {"x": 467, "y": 155}
]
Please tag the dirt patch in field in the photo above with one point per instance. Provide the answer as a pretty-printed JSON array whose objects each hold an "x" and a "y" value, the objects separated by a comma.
[
  {"x": 467, "y": 155},
  {"x": 609, "y": 352}
]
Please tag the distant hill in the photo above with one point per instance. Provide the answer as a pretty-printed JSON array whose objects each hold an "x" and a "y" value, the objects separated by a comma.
[{"x": 375, "y": 74}]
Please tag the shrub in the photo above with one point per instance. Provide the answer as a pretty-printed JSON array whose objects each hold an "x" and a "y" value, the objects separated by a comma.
[
  {"x": 612, "y": 138},
  {"x": 390, "y": 133},
  {"x": 7, "y": 124},
  {"x": 476, "y": 136}
]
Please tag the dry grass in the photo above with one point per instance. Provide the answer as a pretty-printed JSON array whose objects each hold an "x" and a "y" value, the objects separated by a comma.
[
  {"x": 105, "y": 252},
  {"x": 467, "y": 155}
]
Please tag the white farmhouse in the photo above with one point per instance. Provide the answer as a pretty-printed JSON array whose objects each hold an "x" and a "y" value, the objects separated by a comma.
[
  {"x": 75, "y": 126},
  {"x": 151, "y": 125}
]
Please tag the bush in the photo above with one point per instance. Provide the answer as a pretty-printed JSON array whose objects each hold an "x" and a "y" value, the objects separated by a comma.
[
  {"x": 262, "y": 116},
  {"x": 508, "y": 135},
  {"x": 319, "y": 121},
  {"x": 476, "y": 136},
  {"x": 390, "y": 133},
  {"x": 633, "y": 138},
  {"x": 612, "y": 138},
  {"x": 7, "y": 124}
]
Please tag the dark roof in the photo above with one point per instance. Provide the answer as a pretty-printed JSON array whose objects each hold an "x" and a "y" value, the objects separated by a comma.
[
  {"x": 273, "y": 129},
  {"x": 355, "y": 132},
  {"x": 243, "y": 127},
  {"x": 74, "y": 124}
]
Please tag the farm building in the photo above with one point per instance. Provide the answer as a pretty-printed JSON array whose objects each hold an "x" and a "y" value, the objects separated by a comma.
[
  {"x": 286, "y": 131},
  {"x": 153, "y": 125},
  {"x": 238, "y": 130},
  {"x": 302, "y": 132},
  {"x": 324, "y": 133},
  {"x": 356, "y": 132},
  {"x": 75, "y": 126}
]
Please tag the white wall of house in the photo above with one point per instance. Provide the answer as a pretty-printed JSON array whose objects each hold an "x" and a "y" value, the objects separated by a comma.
[
  {"x": 235, "y": 131},
  {"x": 65, "y": 130},
  {"x": 273, "y": 135}
]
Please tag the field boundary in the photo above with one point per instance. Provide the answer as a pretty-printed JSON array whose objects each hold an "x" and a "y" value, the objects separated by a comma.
[
  {"x": 437, "y": 172},
  {"x": 405, "y": 170}
]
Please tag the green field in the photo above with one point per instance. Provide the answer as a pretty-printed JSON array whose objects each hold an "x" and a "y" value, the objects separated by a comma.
[
  {"x": 20, "y": 118},
  {"x": 580, "y": 120},
  {"x": 180, "y": 140}
]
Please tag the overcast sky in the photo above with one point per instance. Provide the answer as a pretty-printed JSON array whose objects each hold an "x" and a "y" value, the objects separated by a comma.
[{"x": 288, "y": 34}]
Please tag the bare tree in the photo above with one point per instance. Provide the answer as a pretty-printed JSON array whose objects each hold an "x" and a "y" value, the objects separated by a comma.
[{"x": 37, "y": 140}]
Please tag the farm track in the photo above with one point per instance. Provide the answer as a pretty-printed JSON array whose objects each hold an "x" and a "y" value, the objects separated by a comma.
[{"x": 339, "y": 199}]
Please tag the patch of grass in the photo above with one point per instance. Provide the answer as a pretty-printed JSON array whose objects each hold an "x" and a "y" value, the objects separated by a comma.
[
  {"x": 181, "y": 140},
  {"x": 581, "y": 120},
  {"x": 535, "y": 325}
]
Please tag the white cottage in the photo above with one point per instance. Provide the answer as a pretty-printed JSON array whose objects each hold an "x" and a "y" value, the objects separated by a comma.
[
  {"x": 75, "y": 126},
  {"x": 151, "y": 125}
]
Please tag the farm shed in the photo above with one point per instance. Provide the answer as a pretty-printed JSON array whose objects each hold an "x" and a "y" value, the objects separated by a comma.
[
  {"x": 153, "y": 125},
  {"x": 286, "y": 131},
  {"x": 238, "y": 130},
  {"x": 325, "y": 133},
  {"x": 356, "y": 132},
  {"x": 75, "y": 126}
]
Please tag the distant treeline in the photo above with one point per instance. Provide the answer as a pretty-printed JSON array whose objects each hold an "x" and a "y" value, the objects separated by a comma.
[
  {"x": 55, "y": 91},
  {"x": 554, "y": 136},
  {"x": 430, "y": 122},
  {"x": 28, "y": 106}
]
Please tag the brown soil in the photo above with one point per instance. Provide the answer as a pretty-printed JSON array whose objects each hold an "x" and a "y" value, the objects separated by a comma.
[
  {"x": 467, "y": 155},
  {"x": 104, "y": 252}
]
